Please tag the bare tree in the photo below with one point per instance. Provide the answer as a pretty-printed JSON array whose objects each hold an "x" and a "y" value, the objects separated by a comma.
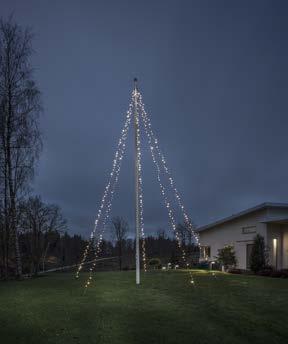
[
  {"x": 40, "y": 219},
  {"x": 190, "y": 226},
  {"x": 185, "y": 232},
  {"x": 182, "y": 230},
  {"x": 20, "y": 141},
  {"x": 161, "y": 234},
  {"x": 119, "y": 232}
]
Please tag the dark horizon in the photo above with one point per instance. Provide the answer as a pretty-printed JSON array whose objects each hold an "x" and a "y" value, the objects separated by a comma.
[{"x": 213, "y": 79}]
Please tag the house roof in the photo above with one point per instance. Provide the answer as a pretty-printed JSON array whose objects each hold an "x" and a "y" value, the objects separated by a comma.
[
  {"x": 242, "y": 213},
  {"x": 277, "y": 220}
]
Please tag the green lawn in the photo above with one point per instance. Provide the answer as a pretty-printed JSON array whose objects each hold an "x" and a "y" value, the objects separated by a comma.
[{"x": 164, "y": 309}]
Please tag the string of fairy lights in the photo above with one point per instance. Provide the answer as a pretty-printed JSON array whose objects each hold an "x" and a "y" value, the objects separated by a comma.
[
  {"x": 108, "y": 189},
  {"x": 167, "y": 171},
  {"x": 97, "y": 249},
  {"x": 140, "y": 185},
  {"x": 137, "y": 108},
  {"x": 153, "y": 143},
  {"x": 163, "y": 192}
]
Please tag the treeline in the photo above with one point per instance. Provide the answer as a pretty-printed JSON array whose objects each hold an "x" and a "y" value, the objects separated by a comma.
[
  {"x": 160, "y": 249},
  {"x": 54, "y": 250},
  {"x": 64, "y": 250},
  {"x": 51, "y": 248}
]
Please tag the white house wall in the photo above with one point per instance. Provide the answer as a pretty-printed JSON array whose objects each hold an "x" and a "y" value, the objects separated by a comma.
[{"x": 231, "y": 233}]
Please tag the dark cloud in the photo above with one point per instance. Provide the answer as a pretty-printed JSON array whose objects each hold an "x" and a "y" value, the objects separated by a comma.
[{"x": 214, "y": 79}]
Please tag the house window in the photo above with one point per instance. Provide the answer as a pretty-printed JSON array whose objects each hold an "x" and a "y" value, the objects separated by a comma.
[
  {"x": 206, "y": 252},
  {"x": 248, "y": 229}
]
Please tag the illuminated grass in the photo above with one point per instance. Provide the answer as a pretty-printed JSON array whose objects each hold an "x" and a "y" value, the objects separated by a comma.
[{"x": 165, "y": 308}]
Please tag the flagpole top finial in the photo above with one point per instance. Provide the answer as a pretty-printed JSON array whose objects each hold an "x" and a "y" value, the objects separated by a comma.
[{"x": 135, "y": 83}]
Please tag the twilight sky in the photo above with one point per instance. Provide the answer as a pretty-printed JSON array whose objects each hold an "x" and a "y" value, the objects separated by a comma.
[{"x": 213, "y": 75}]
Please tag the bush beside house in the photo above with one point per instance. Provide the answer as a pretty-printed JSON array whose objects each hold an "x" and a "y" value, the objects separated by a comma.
[
  {"x": 227, "y": 257},
  {"x": 258, "y": 258}
]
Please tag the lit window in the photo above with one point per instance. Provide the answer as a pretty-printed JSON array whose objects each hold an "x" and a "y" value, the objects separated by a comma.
[{"x": 206, "y": 252}]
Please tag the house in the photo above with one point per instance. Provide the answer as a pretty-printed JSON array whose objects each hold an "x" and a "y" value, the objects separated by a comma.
[{"x": 267, "y": 219}]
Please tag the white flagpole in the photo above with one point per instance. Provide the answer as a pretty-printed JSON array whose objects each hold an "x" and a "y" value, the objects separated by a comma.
[{"x": 137, "y": 214}]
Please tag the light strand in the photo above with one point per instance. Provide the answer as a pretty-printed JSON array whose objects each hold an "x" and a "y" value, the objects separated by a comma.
[
  {"x": 97, "y": 249},
  {"x": 121, "y": 144},
  {"x": 140, "y": 184},
  {"x": 167, "y": 171},
  {"x": 163, "y": 192}
]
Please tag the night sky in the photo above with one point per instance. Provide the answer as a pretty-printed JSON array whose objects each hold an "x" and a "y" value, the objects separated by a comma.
[{"x": 213, "y": 75}]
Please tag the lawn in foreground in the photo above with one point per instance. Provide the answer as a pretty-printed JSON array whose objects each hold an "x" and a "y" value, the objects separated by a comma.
[{"x": 165, "y": 308}]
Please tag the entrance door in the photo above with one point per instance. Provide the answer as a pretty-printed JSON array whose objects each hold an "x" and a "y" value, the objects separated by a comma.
[{"x": 248, "y": 254}]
